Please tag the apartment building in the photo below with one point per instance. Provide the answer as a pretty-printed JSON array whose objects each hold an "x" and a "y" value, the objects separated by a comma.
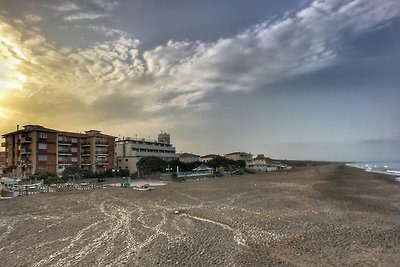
[
  {"x": 35, "y": 149},
  {"x": 129, "y": 151}
]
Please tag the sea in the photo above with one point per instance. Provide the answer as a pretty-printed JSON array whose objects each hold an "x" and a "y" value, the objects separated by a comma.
[{"x": 385, "y": 167}]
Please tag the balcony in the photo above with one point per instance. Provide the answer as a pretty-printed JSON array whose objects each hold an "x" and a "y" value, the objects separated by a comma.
[
  {"x": 64, "y": 152},
  {"x": 4, "y": 144},
  {"x": 102, "y": 152},
  {"x": 86, "y": 162},
  {"x": 25, "y": 151},
  {"x": 64, "y": 143},
  {"x": 101, "y": 143},
  {"x": 26, "y": 140},
  {"x": 86, "y": 143},
  {"x": 64, "y": 162},
  {"x": 102, "y": 162},
  {"x": 85, "y": 152}
]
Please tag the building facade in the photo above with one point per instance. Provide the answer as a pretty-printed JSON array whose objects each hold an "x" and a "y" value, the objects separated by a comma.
[
  {"x": 261, "y": 163},
  {"x": 129, "y": 151},
  {"x": 189, "y": 157},
  {"x": 3, "y": 160},
  {"x": 247, "y": 157},
  {"x": 36, "y": 149}
]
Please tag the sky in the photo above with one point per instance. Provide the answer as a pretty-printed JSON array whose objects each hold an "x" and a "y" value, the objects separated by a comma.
[{"x": 290, "y": 79}]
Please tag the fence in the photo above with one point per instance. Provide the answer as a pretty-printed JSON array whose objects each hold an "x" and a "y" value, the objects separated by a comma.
[{"x": 195, "y": 173}]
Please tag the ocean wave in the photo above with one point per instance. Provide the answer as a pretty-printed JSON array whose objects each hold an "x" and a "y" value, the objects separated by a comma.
[{"x": 388, "y": 168}]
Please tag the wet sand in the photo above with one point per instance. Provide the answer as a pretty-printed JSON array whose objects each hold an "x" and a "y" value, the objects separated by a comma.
[{"x": 339, "y": 217}]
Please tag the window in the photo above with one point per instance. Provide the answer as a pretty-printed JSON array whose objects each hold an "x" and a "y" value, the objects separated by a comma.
[
  {"x": 126, "y": 159},
  {"x": 74, "y": 159},
  {"x": 42, "y": 157},
  {"x": 42, "y": 135},
  {"x": 42, "y": 146},
  {"x": 74, "y": 140},
  {"x": 74, "y": 149},
  {"x": 119, "y": 160}
]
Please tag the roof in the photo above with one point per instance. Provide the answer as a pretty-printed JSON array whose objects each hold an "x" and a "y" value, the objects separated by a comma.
[
  {"x": 30, "y": 128},
  {"x": 237, "y": 153},
  {"x": 202, "y": 167},
  {"x": 184, "y": 155},
  {"x": 210, "y": 156}
]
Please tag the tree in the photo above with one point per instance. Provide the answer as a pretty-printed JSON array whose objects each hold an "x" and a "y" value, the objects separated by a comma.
[
  {"x": 124, "y": 173},
  {"x": 151, "y": 164},
  {"x": 48, "y": 178},
  {"x": 72, "y": 172},
  {"x": 227, "y": 164},
  {"x": 184, "y": 167}
]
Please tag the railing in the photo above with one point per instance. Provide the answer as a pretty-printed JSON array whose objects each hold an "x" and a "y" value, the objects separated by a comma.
[
  {"x": 64, "y": 151},
  {"x": 102, "y": 152},
  {"x": 101, "y": 142},
  {"x": 195, "y": 173},
  {"x": 64, "y": 140},
  {"x": 25, "y": 151},
  {"x": 26, "y": 140},
  {"x": 64, "y": 162}
]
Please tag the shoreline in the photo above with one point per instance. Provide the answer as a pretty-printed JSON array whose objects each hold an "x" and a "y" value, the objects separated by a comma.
[{"x": 367, "y": 168}]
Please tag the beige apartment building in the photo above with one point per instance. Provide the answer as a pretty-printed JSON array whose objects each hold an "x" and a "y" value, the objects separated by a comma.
[
  {"x": 35, "y": 149},
  {"x": 130, "y": 150}
]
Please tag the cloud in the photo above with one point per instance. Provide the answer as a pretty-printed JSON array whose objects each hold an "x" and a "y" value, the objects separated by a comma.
[
  {"x": 180, "y": 74},
  {"x": 32, "y": 18},
  {"x": 65, "y": 7},
  {"x": 108, "y": 5},
  {"x": 308, "y": 41},
  {"x": 84, "y": 16},
  {"x": 107, "y": 31}
]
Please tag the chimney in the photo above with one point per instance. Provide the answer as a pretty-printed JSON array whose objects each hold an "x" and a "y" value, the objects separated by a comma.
[{"x": 17, "y": 127}]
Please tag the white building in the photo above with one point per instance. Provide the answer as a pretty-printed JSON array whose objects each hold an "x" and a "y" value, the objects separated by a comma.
[
  {"x": 129, "y": 151},
  {"x": 261, "y": 163},
  {"x": 247, "y": 157},
  {"x": 207, "y": 158},
  {"x": 188, "y": 157}
]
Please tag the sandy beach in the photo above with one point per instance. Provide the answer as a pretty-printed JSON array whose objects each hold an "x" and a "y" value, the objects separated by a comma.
[{"x": 340, "y": 216}]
